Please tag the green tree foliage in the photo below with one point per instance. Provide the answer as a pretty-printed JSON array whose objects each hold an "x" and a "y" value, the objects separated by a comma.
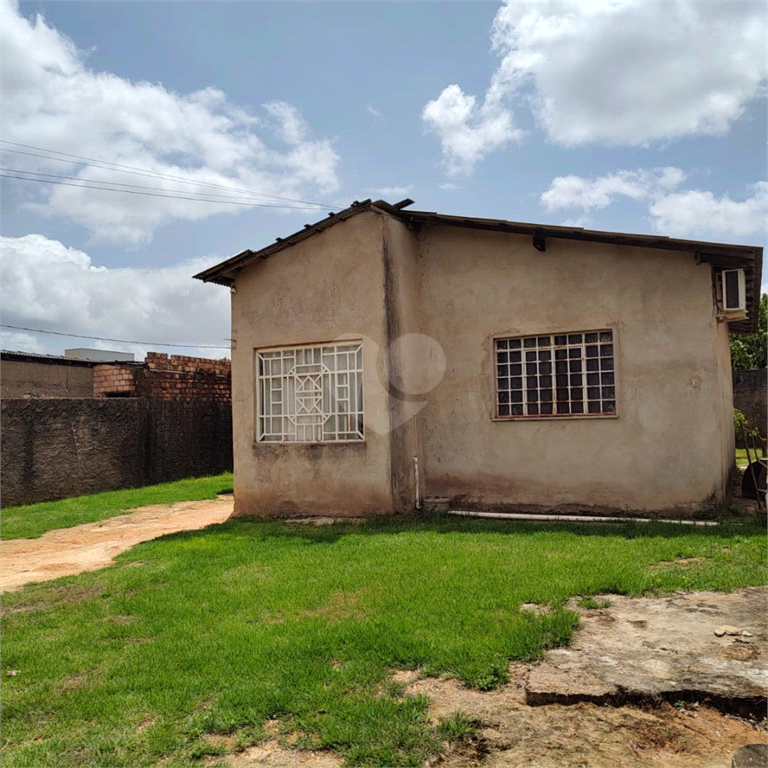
[{"x": 749, "y": 351}]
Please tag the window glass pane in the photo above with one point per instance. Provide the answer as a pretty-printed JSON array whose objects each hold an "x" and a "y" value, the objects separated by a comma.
[
  {"x": 606, "y": 364},
  {"x": 515, "y": 357},
  {"x": 530, "y": 382},
  {"x": 590, "y": 338},
  {"x": 545, "y": 367},
  {"x": 502, "y": 344},
  {"x": 531, "y": 369},
  {"x": 593, "y": 393},
  {"x": 606, "y": 378},
  {"x": 530, "y": 356},
  {"x": 514, "y": 344},
  {"x": 532, "y": 396},
  {"x": 544, "y": 341},
  {"x": 533, "y": 410},
  {"x": 577, "y": 407},
  {"x": 545, "y": 354},
  {"x": 527, "y": 343},
  {"x": 517, "y": 410},
  {"x": 503, "y": 357},
  {"x": 546, "y": 408},
  {"x": 609, "y": 406},
  {"x": 560, "y": 340},
  {"x": 574, "y": 338},
  {"x": 516, "y": 397},
  {"x": 606, "y": 350},
  {"x": 504, "y": 410},
  {"x": 594, "y": 407},
  {"x": 546, "y": 395},
  {"x": 516, "y": 382},
  {"x": 575, "y": 366},
  {"x": 593, "y": 364},
  {"x": 606, "y": 336},
  {"x": 593, "y": 378},
  {"x": 561, "y": 354},
  {"x": 516, "y": 369}
]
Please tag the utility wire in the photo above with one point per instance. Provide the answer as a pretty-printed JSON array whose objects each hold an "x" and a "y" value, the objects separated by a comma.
[
  {"x": 157, "y": 194},
  {"x": 125, "y": 184},
  {"x": 121, "y": 341},
  {"x": 108, "y": 165}
]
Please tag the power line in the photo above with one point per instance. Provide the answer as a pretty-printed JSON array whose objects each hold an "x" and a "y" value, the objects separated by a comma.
[
  {"x": 135, "y": 186},
  {"x": 157, "y": 194},
  {"x": 121, "y": 341},
  {"x": 108, "y": 165}
]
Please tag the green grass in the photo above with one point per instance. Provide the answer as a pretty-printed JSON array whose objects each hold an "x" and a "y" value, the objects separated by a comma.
[
  {"x": 33, "y": 520},
  {"x": 207, "y": 634}
]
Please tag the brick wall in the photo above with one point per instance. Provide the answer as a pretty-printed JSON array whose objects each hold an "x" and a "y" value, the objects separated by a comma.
[
  {"x": 750, "y": 396},
  {"x": 177, "y": 378},
  {"x": 115, "y": 380}
]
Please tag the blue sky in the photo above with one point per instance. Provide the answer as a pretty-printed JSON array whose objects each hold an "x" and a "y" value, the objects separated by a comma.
[{"x": 631, "y": 116}]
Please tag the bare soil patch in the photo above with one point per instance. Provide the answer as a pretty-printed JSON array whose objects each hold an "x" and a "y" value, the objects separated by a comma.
[{"x": 91, "y": 546}]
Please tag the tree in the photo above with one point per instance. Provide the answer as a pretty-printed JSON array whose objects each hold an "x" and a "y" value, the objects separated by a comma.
[{"x": 749, "y": 351}]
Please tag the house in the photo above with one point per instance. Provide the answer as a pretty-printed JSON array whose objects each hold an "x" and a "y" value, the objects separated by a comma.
[{"x": 383, "y": 356}]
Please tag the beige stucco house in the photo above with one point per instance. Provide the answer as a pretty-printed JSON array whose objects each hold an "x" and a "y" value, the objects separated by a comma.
[{"x": 384, "y": 356}]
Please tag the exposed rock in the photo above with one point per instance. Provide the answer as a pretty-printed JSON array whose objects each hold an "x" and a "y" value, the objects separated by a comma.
[
  {"x": 648, "y": 647},
  {"x": 750, "y": 756}
]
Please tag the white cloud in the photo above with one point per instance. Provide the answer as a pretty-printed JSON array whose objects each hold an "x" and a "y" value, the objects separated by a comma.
[
  {"x": 701, "y": 213},
  {"x": 693, "y": 213},
  {"x": 372, "y": 111},
  {"x": 51, "y": 99},
  {"x": 589, "y": 194},
  {"x": 468, "y": 132},
  {"x": 45, "y": 285},
  {"x": 394, "y": 193},
  {"x": 621, "y": 72}
]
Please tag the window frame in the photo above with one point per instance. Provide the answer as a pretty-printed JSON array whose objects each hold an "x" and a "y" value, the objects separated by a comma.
[
  {"x": 319, "y": 393},
  {"x": 496, "y": 406}
]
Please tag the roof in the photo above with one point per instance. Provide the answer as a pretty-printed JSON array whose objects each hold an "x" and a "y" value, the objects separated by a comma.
[
  {"x": 33, "y": 357},
  {"x": 720, "y": 255}
]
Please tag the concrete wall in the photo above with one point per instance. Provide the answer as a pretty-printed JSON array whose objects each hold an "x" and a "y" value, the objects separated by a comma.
[
  {"x": 332, "y": 285},
  {"x": 57, "y": 448},
  {"x": 666, "y": 446},
  {"x": 750, "y": 393},
  {"x": 33, "y": 379}
]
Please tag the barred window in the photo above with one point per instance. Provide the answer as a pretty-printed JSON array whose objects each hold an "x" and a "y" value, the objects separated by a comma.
[
  {"x": 558, "y": 375},
  {"x": 310, "y": 394}
]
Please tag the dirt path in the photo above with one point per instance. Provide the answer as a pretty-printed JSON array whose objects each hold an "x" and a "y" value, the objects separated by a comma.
[{"x": 91, "y": 546}]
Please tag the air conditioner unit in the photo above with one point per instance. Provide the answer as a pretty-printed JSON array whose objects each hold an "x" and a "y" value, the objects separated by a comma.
[{"x": 734, "y": 290}]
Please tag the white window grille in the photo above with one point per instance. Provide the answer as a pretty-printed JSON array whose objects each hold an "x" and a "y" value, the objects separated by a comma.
[
  {"x": 310, "y": 394},
  {"x": 558, "y": 375}
]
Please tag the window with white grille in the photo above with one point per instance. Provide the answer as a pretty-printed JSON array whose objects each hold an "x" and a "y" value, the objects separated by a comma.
[
  {"x": 310, "y": 394},
  {"x": 557, "y": 375}
]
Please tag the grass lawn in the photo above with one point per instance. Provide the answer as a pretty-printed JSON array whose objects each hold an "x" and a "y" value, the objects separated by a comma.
[
  {"x": 33, "y": 520},
  {"x": 203, "y": 635}
]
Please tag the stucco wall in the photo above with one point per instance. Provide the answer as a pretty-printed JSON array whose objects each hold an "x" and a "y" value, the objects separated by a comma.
[
  {"x": 57, "y": 448},
  {"x": 664, "y": 448},
  {"x": 330, "y": 286},
  {"x": 31, "y": 379}
]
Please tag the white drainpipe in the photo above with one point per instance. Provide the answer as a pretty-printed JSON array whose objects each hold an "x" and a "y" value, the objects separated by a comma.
[{"x": 572, "y": 518}]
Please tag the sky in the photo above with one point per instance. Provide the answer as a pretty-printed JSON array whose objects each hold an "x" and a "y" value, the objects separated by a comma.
[{"x": 142, "y": 142}]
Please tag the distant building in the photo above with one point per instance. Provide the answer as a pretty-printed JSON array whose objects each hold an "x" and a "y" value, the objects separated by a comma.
[{"x": 99, "y": 355}]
